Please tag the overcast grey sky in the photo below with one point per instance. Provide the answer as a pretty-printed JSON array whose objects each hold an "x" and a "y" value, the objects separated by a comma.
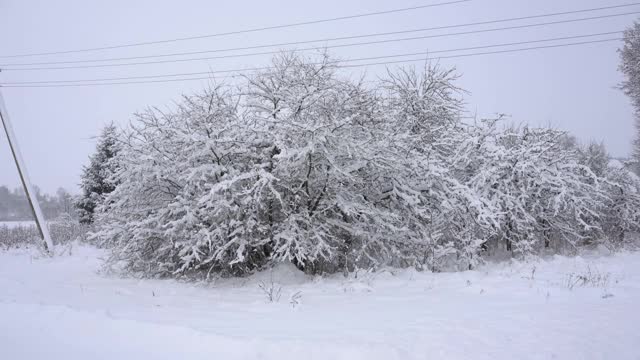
[{"x": 567, "y": 88}]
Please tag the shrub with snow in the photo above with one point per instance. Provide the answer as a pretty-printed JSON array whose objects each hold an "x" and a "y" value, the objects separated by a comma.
[{"x": 300, "y": 164}]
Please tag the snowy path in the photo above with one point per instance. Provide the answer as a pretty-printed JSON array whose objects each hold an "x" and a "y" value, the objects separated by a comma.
[{"x": 61, "y": 308}]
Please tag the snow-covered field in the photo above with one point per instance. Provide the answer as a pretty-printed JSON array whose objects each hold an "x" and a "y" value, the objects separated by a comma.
[
  {"x": 12, "y": 224},
  {"x": 562, "y": 308}
]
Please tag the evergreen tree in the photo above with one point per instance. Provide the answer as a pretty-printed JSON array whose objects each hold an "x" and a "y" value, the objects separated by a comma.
[{"x": 95, "y": 183}]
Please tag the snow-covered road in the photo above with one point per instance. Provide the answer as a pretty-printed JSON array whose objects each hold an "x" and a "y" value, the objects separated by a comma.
[{"x": 63, "y": 308}]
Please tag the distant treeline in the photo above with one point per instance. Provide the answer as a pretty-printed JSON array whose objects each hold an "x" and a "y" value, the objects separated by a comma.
[{"x": 15, "y": 207}]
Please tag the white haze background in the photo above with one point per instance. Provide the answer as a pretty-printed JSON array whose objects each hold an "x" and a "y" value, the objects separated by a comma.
[{"x": 570, "y": 89}]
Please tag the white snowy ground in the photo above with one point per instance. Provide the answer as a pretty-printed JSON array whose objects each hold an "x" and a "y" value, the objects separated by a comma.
[
  {"x": 62, "y": 308},
  {"x": 12, "y": 224}
]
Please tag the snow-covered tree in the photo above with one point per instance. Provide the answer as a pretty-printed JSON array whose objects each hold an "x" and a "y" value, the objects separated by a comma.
[
  {"x": 442, "y": 214},
  {"x": 595, "y": 157},
  {"x": 65, "y": 201},
  {"x": 298, "y": 163},
  {"x": 621, "y": 219},
  {"x": 630, "y": 67},
  {"x": 544, "y": 195},
  {"x": 95, "y": 183}
]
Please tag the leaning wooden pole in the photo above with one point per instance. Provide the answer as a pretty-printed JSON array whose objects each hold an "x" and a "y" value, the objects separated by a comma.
[{"x": 24, "y": 177}]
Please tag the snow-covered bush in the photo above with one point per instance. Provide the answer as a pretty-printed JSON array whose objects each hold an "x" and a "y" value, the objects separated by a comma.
[
  {"x": 19, "y": 236},
  {"x": 441, "y": 215},
  {"x": 63, "y": 230},
  {"x": 297, "y": 163},
  {"x": 543, "y": 195},
  {"x": 621, "y": 220}
]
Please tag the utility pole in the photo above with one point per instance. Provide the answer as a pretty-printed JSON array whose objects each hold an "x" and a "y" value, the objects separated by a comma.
[{"x": 24, "y": 177}]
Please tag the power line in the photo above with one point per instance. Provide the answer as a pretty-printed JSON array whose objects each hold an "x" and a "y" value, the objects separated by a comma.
[
  {"x": 347, "y": 60},
  {"x": 49, "y": 83},
  {"x": 320, "y": 47},
  {"x": 490, "y": 46},
  {"x": 336, "y": 39},
  {"x": 251, "y": 30},
  {"x": 486, "y": 53}
]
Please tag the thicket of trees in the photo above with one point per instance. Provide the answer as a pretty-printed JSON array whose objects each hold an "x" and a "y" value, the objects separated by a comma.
[
  {"x": 300, "y": 164},
  {"x": 15, "y": 207}
]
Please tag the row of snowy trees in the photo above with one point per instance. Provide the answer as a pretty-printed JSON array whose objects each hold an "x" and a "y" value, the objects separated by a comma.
[
  {"x": 300, "y": 164},
  {"x": 14, "y": 205}
]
